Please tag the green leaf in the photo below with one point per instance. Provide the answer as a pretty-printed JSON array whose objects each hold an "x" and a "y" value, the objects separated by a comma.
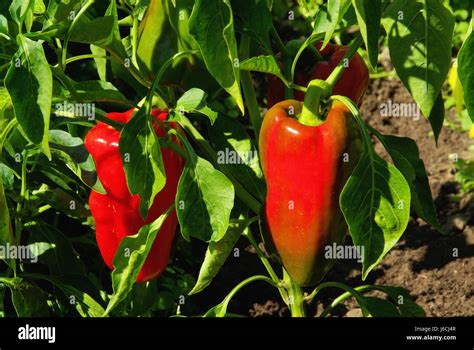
[
  {"x": 466, "y": 73},
  {"x": 212, "y": 26},
  {"x": 402, "y": 298},
  {"x": 85, "y": 305},
  {"x": 130, "y": 257},
  {"x": 256, "y": 19},
  {"x": 142, "y": 160},
  {"x": 6, "y": 232},
  {"x": 369, "y": 14},
  {"x": 263, "y": 64},
  {"x": 376, "y": 205},
  {"x": 30, "y": 85},
  {"x": 419, "y": 38},
  {"x": 28, "y": 300},
  {"x": 55, "y": 250},
  {"x": 236, "y": 150},
  {"x": 101, "y": 63},
  {"x": 100, "y": 91},
  {"x": 99, "y": 31},
  {"x": 378, "y": 307},
  {"x": 19, "y": 10},
  {"x": 73, "y": 153},
  {"x": 328, "y": 24},
  {"x": 216, "y": 255},
  {"x": 194, "y": 101},
  {"x": 4, "y": 27},
  {"x": 204, "y": 201},
  {"x": 405, "y": 155}
]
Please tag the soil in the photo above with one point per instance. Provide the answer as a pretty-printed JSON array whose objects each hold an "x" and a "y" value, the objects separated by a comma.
[{"x": 437, "y": 270}]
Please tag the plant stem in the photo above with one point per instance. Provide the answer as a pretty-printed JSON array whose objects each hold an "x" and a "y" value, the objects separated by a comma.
[
  {"x": 248, "y": 90},
  {"x": 19, "y": 207},
  {"x": 295, "y": 299},
  {"x": 241, "y": 192},
  {"x": 71, "y": 29},
  {"x": 311, "y": 114},
  {"x": 247, "y": 234},
  {"x": 85, "y": 57},
  {"x": 341, "y": 298},
  {"x": 336, "y": 73}
]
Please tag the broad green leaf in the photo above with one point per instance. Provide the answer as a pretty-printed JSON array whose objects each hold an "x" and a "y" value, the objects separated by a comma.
[
  {"x": 130, "y": 257},
  {"x": 255, "y": 19},
  {"x": 54, "y": 249},
  {"x": 216, "y": 255},
  {"x": 419, "y": 38},
  {"x": 7, "y": 176},
  {"x": 236, "y": 150},
  {"x": 73, "y": 153},
  {"x": 194, "y": 101},
  {"x": 376, "y": 205},
  {"x": 212, "y": 26},
  {"x": 405, "y": 155},
  {"x": 466, "y": 74},
  {"x": 142, "y": 160},
  {"x": 204, "y": 201},
  {"x": 263, "y": 64},
  {"x": 369, "y": 14},
  {"x": 30, "y": 85},
  {"x": 101, "y": 63}
]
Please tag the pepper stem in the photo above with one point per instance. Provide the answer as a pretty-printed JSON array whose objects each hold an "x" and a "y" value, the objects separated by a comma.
[{"x": 317, "y": 90}]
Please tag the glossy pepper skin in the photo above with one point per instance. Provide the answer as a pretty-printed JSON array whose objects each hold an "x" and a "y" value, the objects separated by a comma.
[
  {"x": 305, "y": 168},
  {"x": 353, "y": 82},
  {"x": 117, "y": 213}
]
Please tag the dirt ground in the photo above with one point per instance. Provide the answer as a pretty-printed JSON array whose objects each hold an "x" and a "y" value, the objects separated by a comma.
[{"x": 422, "y": 262}]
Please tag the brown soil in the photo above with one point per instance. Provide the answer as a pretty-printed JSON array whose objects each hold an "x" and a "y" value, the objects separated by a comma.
[{"x": 424, "y": 261}]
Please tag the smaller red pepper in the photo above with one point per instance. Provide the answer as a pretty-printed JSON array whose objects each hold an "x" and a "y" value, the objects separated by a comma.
[
  {"x": 352, "y": 83},
  {"x": 117, "y": 213}
]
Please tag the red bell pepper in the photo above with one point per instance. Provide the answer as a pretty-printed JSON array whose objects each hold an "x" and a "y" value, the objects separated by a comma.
[{"x": 117, "y": 213}]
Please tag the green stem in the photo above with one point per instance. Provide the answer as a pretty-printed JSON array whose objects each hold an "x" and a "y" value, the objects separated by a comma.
[
  {"x": 342, "y": 298},
  {"x": 3, "y": 136},
  {"x": 383, "y": 75},
  {"x": 311, "y": 114},
  {"x": 248, "y": 90},
  {"x": 238, "y": 287},
  {"x": 85, "y": 57},
  {"x": 247, "y": 234},
  {"x": 19, "y": 207},
  {"x": 337, "y": 72},
  {"x": 71, "y": 29},
  {"x": 295, "y": 299},
  {"x": 241, "y": 192}
]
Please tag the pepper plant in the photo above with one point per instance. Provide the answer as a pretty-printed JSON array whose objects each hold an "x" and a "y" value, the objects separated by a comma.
[{"x": 127, "y": 125}]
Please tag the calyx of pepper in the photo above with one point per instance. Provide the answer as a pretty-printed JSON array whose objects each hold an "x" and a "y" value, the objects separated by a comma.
[{"x": 314, "y": 104}]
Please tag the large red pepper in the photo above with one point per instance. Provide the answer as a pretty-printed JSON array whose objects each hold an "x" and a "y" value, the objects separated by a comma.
[
  {"x": 305, "y": 169},
  {"x": 353, "y": 82},
  {"x": 117, "y": 213}
]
